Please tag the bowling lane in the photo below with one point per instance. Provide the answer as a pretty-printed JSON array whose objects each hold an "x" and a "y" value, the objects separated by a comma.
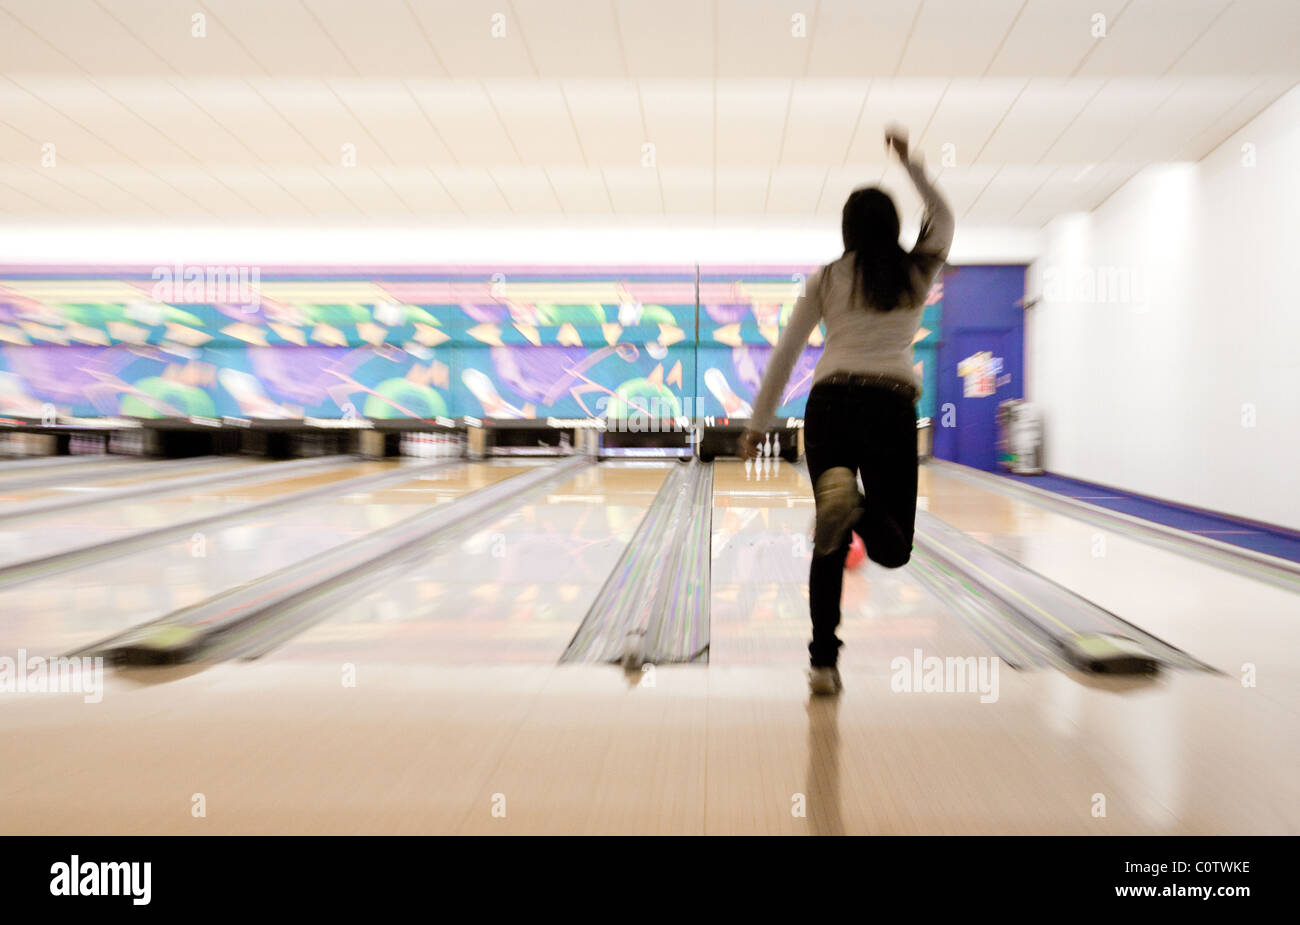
[
  {"x": 513, "y": 591},
  {"x": 1227, "y": 619},
  {"x": 28, "y": 466},
  {"x": 81, "y": 607},
  {"x": 40, "y": 535},
  {"x": 762, "y": 545},
  {"x": 120, "y": 475}
]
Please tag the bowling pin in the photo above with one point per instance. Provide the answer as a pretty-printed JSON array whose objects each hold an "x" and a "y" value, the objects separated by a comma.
[{"x": 776, "y": 446}]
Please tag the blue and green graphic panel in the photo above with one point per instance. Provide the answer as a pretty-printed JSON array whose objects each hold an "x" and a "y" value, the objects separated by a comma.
[
  {"x": 493, "y": 343},
  {"x": 294, "y": 342}
]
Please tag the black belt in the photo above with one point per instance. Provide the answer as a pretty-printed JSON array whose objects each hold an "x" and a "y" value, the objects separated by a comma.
[{"x": 873, "y": 381}]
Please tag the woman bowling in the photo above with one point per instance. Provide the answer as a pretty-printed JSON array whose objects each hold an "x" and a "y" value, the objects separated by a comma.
[{"x": 861, "y": 413}]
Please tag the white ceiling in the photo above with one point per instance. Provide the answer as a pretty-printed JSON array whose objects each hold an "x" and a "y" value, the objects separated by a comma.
[{"x": 248, "y": 124}]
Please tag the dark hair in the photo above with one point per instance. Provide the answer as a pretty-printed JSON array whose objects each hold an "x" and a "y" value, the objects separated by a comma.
[{"x": 882, "y": 270}]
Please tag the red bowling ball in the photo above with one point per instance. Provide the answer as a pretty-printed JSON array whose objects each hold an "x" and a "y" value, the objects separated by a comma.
[{"x": 857, "y": 553}]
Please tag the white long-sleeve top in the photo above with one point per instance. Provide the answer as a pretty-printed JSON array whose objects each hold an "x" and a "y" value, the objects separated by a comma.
[{"x": 860, "y": 338}]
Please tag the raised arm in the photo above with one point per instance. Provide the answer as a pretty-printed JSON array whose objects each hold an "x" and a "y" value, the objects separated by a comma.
[
  {"x": 806, "y": 315},
  {"x": 937, "y": 224}
]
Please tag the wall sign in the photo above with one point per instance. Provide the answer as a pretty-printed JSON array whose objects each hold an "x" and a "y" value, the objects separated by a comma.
[{"x": 980, "y": 374}]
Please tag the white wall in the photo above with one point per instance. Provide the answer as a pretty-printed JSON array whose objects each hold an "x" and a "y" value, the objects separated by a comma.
[
  {"x": 1153, "y": 390},
  {"x": 519, "y": 241}
]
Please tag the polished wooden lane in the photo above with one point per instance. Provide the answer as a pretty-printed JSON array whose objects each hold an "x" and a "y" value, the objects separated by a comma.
[
  {"x": 512, "y": 590},
  {"x": 762, "y": 545},
  {"x": 377, "y": 734},
  {"x": 120, "y": 476},
  {"x": 82, "y": 606},
  {"x": 285, "y": 746},
  {"x": 67, "y": 529}
]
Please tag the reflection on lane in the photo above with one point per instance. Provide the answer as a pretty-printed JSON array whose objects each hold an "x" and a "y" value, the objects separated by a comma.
[
  {"x": 81, "y": 607},
  {"x": 122, "y": 475},
  {"x": 24, "y": 467},
  {"x": 762, "y": 545},
  {"x": 28, "y": 538},
  {"x": 513, "y": 591}
]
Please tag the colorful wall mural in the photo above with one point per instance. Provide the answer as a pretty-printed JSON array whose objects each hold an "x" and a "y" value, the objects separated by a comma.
[{"x": 499, "y": 343}]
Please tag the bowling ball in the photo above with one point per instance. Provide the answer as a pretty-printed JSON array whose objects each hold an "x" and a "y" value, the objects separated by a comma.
[
  {"x": 420, "y": 400},
  {"x": 571, "y": 314},
  {"x": 857, "y": 553},
  {"x": 188, "y": 400}
]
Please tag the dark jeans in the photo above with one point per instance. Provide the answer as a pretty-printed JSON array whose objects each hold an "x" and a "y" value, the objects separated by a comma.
[{"x": 871, "y": 431}]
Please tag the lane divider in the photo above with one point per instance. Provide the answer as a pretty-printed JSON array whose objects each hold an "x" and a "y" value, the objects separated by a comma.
[
  {"x": 991, "y": 622},
  {"x": 654, "y": 606},
  {"x": 679, "y": 628},
  {"x": 1086, "y": 635}
]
